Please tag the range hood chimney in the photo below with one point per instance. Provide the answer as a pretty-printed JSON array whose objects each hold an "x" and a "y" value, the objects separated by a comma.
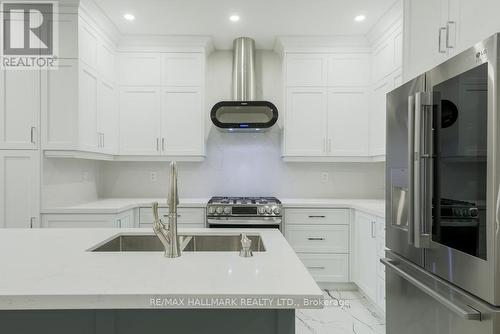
[{"x": 244, "y": 113}]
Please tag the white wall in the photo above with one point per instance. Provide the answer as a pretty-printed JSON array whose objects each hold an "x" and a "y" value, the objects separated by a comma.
[
  {"x": 69, "y": 181},
  {"x": 236, "y": 164}
]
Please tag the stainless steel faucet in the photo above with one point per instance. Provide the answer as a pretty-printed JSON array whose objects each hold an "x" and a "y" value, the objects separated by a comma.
[{"x": 167, "y": 232}]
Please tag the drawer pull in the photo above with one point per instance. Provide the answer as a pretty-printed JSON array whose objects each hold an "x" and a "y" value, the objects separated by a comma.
[
  {"x": 316, "y": 238},
  {"x": 316, "y": 216},
  {"x": 316, "y": 268}
]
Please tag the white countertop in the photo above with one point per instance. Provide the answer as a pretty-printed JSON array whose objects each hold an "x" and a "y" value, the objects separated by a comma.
[
  {"x": 117, "y": 205},
  {"x": 52, "y": 269}
]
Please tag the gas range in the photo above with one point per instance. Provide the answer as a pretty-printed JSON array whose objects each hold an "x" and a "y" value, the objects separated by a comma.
[{"x": 244, "y": 212}]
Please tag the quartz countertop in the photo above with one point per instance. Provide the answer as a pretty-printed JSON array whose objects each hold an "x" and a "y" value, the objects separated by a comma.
[
  {"x": 53, "y": 269},
  {"x": 117, "y": 205}
]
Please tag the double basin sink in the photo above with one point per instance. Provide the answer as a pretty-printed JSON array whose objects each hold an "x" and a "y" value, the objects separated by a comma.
[{"x": 189, "y": 243}]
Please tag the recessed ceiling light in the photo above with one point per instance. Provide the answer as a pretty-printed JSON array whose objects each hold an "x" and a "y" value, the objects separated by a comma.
[
  {"x": 234, "y": 18},
  {"x": 360, "y": 18},
  {"x": 129, "y": 17}
]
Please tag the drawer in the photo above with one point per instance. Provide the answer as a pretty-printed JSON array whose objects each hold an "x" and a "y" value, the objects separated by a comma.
[
  {"x": 318, "y": 238},
  {"x": 317, "y": 216},
  {"x": 187, "y": 216},
  {"x": 327, "y": 267},
  {"x": 79, "y": 221}
]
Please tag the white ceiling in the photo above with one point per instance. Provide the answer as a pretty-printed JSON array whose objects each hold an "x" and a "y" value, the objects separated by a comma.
[{"x": 263, "y": 20}]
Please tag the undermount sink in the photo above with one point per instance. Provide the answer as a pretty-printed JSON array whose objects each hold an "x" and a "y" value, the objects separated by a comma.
[{"x": 189, "y": 243}]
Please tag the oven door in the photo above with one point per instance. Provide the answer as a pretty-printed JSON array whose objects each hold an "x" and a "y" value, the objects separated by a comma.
[
  {"x": 244, "y": 222},
  {"x": 457, "y": 171}
]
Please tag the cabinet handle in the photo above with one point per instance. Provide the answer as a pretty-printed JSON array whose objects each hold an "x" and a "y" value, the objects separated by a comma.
[
  {"x": 448, "y": 44},
  {"x": 163, "y": 144},
  {"x": 316, "y": 216},
  {"x": 440, "y": 33},
  {"x": 119, "y": 223},
  {"x": 102, "y": 141},
  {"x": 373, "y": 229},
  {"x": 329, "y": 145},
  {"x": 32, "y": 135},
  {"x": 158, "y": 143},
  {"x": 316, "y": 267},
  {"x": 32, "y": 222},
  {"x": 316, "y": 238}
]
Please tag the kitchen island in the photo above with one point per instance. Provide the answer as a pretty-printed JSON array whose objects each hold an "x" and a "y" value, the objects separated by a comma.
[{"x": 52, "y": 282}]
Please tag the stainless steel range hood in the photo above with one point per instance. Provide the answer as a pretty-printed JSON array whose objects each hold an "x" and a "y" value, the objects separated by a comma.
[{"x": 244, "y": 113}]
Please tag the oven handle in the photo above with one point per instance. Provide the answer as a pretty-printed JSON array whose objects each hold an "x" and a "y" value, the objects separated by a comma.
[
  {"x": 245, "y": 221},
  {"x": 461, "y": 309}
]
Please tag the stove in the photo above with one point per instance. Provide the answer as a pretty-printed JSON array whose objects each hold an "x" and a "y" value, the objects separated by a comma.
[{"x": 243, "y": 212}]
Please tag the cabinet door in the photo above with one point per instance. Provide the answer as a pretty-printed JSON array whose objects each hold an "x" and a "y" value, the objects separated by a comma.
[
  {"x": 140, "y": 121},
  {"x": 19, "y": 109},
  {"x": 19, "y": 189},
  {"x": 365, "y": 257},
  {"x": 467, "y": 28},
  {"x": 79, "y": 221},
  {"x": 305, "y": 122},
  {"x": 182, "y": 122},
  {"x": 423, "y": 20},
  {"x": 349, "y": 70},
  {"x": 108, "y": 117},
  {"x": 88, "y": 101},
  {"x": 139, "y": 69},
  {"x": 106, "y": 61},
  {"x": 306, "y": 70},
  {"x": 348, "y": 122},
  {"x": 182, "y": 69},
  {"x": 88, "y": 43}
]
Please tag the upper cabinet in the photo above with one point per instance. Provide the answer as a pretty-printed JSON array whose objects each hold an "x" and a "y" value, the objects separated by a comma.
[
  {"x": 326, "y": 108},
  {"x": 19, "y": 109},
  {"x": 129, "y": 104},
  {"x": 161, "y": 104},
  {"x": 449, "y": 27}
]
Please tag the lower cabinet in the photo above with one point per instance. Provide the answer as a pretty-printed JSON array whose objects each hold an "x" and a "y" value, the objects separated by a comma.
[
  {"x": 321, "y": 239},
  {"x": 368, "y": 247},
  {"x": 19, "y": 188},
  {"x": 187, "y": 217},
  {"x": 122, "y": 220}
]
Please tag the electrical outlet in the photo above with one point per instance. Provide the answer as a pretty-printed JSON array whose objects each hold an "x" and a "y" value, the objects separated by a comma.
[
  {"x": 153, "y": 177},
  {"x": 324, "y": 177}
]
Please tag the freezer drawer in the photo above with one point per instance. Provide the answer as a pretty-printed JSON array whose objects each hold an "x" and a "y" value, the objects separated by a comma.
[{"x": 420, "y": 303}]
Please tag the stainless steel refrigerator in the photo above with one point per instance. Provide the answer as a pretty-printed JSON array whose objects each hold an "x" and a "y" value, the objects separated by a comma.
[{"x": 442, "y": 198}]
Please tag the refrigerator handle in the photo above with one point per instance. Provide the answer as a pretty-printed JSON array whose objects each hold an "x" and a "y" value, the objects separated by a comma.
[
  {"x": 422, "y": 195},
  {"x": 411, "y": 184},
  {"x": 461, "y": 309}
]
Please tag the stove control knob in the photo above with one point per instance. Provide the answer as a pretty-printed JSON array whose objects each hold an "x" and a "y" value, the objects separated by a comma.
[
  {"x": 219, "y": 210},
  {"x": 211, "y": 210},
  {"x": 268, "y": 210},
  {"x": 262, "y": 210},
  {"x": 227, "y": 210},
  {"x": 276, "y": 211}
]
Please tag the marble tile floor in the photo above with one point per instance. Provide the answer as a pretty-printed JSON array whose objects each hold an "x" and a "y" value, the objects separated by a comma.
[{"x": 344, "y": 312}]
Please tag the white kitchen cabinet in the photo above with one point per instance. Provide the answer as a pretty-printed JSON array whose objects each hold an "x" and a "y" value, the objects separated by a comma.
[
  {"x": 186, "y": 217},
  {"x": 305, "y": 122},
  {"x": 306, "y": 70},
  {"x": 318, "y": 238},
  {"x": 126, "y": 219},
  {"x": 348, "y": 70},
  {"x": 425, "y": 35},
  {"x": 348, "y": 121},
  {"x": 182, "y": 122},
  {"x": 139, "y": 69},
  {"x": 79, "y": 221},
  {"x": 88, "y": 109},
  {"x": 19, "y": 188},
  {"x": 88, "y": 43},
  {"x": 182, "y": 69},
  {"x": 19, "y": 109},
  {"x": 107, "y": 118},
  {"x": 365, "y": 253},
  {"x": 317, "y": 216},
  {"x": 140, "y": 127},
  {"x": 327, "y": 268}
]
